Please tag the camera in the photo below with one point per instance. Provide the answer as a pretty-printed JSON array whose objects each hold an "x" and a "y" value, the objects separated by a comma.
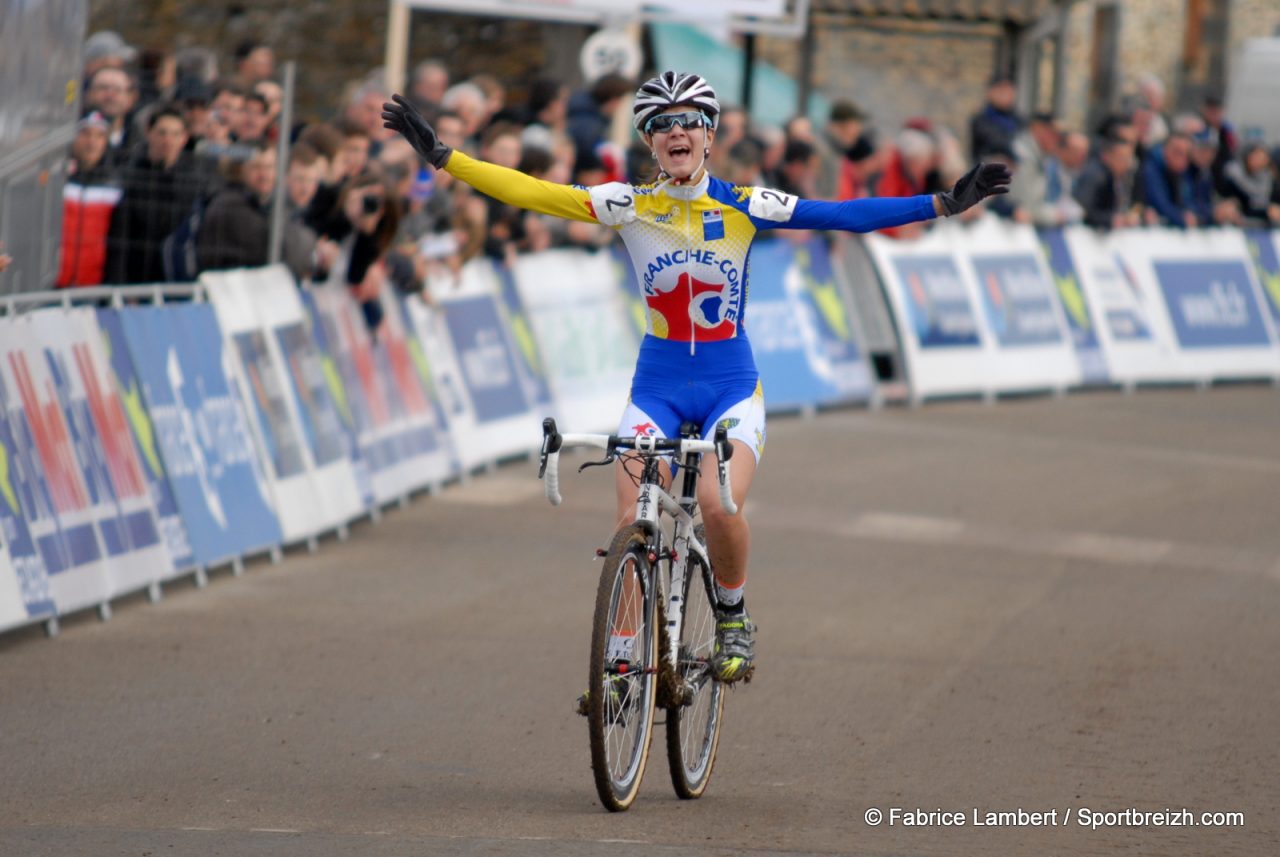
[{"x": 371, "y": 204}]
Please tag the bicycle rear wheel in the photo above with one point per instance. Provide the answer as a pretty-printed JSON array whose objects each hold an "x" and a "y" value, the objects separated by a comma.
[
  {"x": 622, "y": 691},
  {"x": 693, "y": 728}
]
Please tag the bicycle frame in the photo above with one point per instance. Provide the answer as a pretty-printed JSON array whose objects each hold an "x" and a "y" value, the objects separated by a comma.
[{"x": 652, "y": 501}]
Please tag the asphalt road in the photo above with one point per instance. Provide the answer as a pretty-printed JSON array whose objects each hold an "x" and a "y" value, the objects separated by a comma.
[{"x": 1053, "y": 605}]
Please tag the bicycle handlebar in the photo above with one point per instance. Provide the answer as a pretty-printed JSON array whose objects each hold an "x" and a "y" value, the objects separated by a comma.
[{"x": 553, "y": 442}]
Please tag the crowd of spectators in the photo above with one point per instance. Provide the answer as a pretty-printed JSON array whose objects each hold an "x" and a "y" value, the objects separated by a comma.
[{"x": 173, "y": 169}]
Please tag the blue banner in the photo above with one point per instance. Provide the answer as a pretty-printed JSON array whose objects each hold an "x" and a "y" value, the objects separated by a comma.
[
  {"x": 1212, "y": 304},
  {"x": 317, "y": 412},
  {"x": 533, "y": 376},
  {"x": 937, "y": 302},
  {"x": 1075, "y": 306},
  {"x": 1263, "y": 250},
  {"x": 799, "y": 328},
  {"x": 343, "y": 385},
  {"x": 201, "y": 431},
  {"x": 488, "y": 366},
  {"x": 172, "y": 529},
  {"x": 22, "y": 496},
  {"x": 270, "y": 409},
  {"x": 1016, "y": 300}
]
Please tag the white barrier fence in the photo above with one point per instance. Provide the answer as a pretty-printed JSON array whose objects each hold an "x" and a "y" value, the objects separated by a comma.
[{"x": 140, "y": 443}]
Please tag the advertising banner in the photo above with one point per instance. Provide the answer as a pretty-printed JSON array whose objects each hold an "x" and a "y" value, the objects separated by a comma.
[
  {"x": 1081, "y": 325},
  {"x": 800, "y": 328},
  {"x": 469, "y": 351},
  {"x": 311, "y": 479},
  {"x": 112, "y": 475},
  {"x": 125, "y": 381},
  {"x": 201, "y": 431},
  {"x": 427, "y": 449},
  {"x": 25, "y": 594},
  {"x": 1210, "y": 306},
  {"x": 397, "y": 425},
  {"x": 1136, "y": 350},
  {"x": 1262, "y": 244},
  {"x": 584, "y": 335},
  {"x": 1026, "y": 336},
  {"x": 529, "y": 363},
  {"x": 934, "y": 312},
  {"x": 343, "y": 384},
  {"x": 60, "y": 515}
]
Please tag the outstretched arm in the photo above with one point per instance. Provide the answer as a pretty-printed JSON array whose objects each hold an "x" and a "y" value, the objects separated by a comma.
[
  {"x": 506, "y": 185},
  {"x": 773, "y": 209}
]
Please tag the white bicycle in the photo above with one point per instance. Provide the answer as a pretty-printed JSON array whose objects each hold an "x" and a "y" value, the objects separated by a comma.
[{"x": 656, "y": 588}]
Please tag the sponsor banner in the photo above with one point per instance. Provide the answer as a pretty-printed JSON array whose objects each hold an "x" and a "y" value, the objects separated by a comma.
[
  {"x": 468, "y": 349},
  {"x": 61, "y": 516},
  {"x": 1136, "y": 349},
  {"x": 200, "y": 429},
  {"x": 529, "y": 363},
  {"x": 342, "y": 382},
  {"x": 488, "y": 366},
  {"x": 397, "y": 426},
  {"x": 800, "y": 328},
  {"x": 584, "y": 335},
  {"x": 25, "y": 594},
  {"x": 1075, "y": 307},
  {"x": 1025, "y": 333},
  {"x": 427, "y": 449},
  {"x": 13, "y": 610},
  {"x": 934, "y": 312},
  {"x": 1210, "y": 306},
  {"x": 125, "y": 381},
  {"x": 103, "y": 445},
  {"x": 311, "y": 478},
  {"x": 1262, "y": 244}
]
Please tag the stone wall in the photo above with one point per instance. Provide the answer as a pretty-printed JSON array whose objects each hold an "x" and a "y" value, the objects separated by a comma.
[{"x": 900, "y": 70}]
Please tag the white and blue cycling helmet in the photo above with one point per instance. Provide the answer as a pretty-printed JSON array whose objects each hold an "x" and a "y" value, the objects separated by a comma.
[{"x": 672, "y": 89}]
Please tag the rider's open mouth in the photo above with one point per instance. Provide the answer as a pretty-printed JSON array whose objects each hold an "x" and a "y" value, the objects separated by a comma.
[{"x": 678, "y": 151}]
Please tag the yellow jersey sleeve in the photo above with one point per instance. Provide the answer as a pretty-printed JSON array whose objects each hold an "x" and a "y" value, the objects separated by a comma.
[{"x": 523, "y": 191}]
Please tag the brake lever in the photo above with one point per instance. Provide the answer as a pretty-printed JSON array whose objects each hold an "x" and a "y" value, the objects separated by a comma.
[{"x": 608, "y": 459}]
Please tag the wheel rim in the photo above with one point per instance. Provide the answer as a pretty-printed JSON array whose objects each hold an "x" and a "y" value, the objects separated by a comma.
[
  {"x": 625, "y": 738},
  {"x": 699, "y": 719}
]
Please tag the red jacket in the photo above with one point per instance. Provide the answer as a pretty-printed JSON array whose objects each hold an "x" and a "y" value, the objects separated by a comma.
[{"x": 87, "y": 203}]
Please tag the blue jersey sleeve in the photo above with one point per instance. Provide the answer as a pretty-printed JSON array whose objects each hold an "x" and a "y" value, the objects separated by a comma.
[{"x": 854, "y": 215}]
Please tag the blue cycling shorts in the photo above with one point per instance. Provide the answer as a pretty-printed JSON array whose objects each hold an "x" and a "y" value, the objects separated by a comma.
[{"x": 718, "y": 384}]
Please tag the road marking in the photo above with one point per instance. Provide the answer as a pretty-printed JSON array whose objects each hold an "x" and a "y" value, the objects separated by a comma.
[
  {"x": 1097, "y": 547},
  {"x": 272, "y": 830}
]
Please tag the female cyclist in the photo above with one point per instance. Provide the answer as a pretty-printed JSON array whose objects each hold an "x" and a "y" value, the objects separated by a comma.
[{"x": 689, "y": 236}]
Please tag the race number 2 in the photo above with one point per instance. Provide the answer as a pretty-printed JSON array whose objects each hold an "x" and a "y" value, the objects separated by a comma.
[{"x": 769, "y": 204}]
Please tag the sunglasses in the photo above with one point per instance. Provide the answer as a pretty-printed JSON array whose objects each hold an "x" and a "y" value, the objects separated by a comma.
[{"x": 664, "y": 122}]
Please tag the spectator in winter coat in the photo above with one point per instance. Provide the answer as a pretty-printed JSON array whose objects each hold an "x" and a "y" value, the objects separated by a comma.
[
  {"x": 162, "y": 184},
  {"x": 1169, "y": 185},
  {"x": 994, "y": 128},
  {"x": 1250, "y": 181},
  {"x": 90, "y": 195},
  {"x": 1105, "y": 188}
]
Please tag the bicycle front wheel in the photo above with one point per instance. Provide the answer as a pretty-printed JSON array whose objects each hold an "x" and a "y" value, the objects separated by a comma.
[
  {"x": 622, "y": 685},
  {"x": 693, "y": 727}
]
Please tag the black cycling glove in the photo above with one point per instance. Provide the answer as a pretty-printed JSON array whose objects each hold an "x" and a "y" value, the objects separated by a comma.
[
  {"x": 402, "y": 116},
  {"x": 982, "y": 181}
]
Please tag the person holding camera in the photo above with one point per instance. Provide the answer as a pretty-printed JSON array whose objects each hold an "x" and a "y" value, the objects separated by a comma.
[{"x": 368, "y": 218}]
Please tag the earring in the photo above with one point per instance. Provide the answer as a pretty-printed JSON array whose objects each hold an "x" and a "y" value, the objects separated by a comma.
[{"x": 653, "y": 154}]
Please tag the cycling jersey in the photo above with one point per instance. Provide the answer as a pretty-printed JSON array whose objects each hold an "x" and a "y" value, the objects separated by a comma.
[{"x": 689, "y": 244}]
